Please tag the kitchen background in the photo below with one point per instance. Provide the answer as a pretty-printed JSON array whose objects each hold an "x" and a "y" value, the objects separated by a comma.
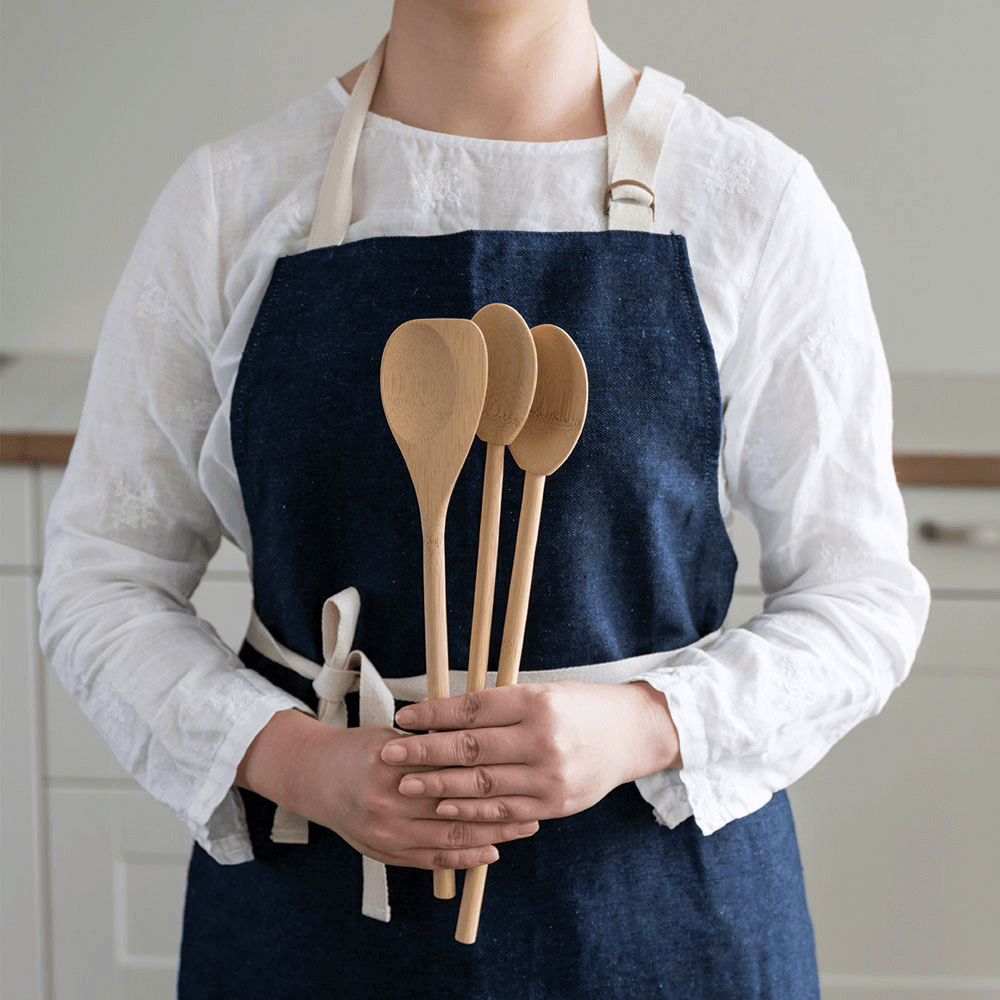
[{"x": 894, "y": 102}]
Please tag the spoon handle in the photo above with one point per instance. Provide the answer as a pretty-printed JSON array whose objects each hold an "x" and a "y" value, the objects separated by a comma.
[
  {"x": 486, "y": 568},
  {"x": 479, "y": 651},
  {"x": 474, "y": 886},
  {"x": 520, "y": 580},
  {"x": 436, "y": 651}
]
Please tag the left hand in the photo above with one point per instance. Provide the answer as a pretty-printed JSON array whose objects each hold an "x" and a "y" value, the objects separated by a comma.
[{"x": 532, "y": 751}]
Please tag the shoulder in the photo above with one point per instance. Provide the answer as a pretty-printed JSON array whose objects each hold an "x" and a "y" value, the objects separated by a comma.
[
  {"x": 255, "y": 169},
  {"x": 727, "y": 164}
]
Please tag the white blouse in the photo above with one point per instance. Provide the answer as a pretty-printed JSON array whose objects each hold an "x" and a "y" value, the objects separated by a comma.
[{"x": 151, "y": 485}]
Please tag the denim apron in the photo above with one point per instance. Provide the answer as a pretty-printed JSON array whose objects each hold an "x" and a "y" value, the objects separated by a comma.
[{"x": 633, "y": 559}]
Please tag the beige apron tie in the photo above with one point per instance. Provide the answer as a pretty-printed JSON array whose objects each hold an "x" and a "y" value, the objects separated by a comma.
[{"x": 343, "y": 670}]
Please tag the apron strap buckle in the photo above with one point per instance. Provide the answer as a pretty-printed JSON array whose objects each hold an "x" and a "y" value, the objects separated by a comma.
[{"x": 635, "y": 193}]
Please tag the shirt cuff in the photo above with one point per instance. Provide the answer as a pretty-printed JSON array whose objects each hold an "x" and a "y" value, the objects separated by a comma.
[{"x": 216, "y": 818}]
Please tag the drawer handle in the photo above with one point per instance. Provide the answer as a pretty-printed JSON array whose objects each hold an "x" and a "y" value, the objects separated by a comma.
[{"x": 973, "y": 536}]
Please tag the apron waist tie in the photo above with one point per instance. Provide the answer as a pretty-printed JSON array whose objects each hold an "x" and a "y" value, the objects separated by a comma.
[{"x": 345, "y": 670}]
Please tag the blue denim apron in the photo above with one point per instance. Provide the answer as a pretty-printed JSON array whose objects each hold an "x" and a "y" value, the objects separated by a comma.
[{"x": 633, "y": 557}]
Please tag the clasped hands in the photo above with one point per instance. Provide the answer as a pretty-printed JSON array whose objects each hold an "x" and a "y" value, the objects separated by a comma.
[
  {"x": 479, "y": 769},
  {"x": 494, "y": 763}
]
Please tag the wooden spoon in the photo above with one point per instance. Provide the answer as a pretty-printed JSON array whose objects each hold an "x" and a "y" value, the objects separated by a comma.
[
  {"x": 547, "y": 439},
  {"x": 513, "y": 372},
  {"x": 433, "y": 379}
]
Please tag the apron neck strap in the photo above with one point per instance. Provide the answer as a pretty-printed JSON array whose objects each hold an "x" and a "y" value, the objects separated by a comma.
[{"x": 636, "y": 119}]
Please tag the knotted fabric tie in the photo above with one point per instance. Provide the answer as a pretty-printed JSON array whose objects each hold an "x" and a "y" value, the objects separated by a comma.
[{"x": 343, "y": 670}]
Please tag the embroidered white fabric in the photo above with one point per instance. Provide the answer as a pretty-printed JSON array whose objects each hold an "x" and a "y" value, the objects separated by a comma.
[{"x": 151, "y": 487}]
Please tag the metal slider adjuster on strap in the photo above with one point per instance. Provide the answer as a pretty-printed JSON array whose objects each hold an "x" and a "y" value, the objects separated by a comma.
[{"x": 641, "y": 194}]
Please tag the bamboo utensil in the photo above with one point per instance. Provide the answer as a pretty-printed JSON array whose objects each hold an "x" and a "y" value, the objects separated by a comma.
[
  {"x": 513, "y": 371},
  {"x": 510, "y": 389},
  {"x": 433, "y": 382},
  {"x": 547, "y": 439}
]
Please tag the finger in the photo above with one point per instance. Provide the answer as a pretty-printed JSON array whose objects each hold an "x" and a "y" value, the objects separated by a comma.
[
  {"x": 465, "y": 748},
  {"x": 519, "y": 808},
  {"x": 475, "y": 710},
  {"x": 432, "y": 858},
  {"x": 482, "y": 782},
  {"x": 456, "y": 860},
  {"x": 449, "y": 835}
]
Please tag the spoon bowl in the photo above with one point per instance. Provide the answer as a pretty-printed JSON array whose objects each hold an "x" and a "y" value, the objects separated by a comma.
[{"x": 559, "y": 408}]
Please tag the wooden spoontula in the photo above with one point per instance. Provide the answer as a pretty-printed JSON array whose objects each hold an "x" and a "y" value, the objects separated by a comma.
[
  {"x": 547, "y": 439},
  {"x": 433, "y": 381}
]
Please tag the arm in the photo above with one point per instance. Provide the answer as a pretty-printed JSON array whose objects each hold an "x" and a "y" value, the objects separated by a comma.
[{"x": 130, "y": 533}]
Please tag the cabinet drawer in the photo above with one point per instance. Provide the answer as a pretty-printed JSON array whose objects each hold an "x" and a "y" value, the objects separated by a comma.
[{"x": 949, "y": 566}]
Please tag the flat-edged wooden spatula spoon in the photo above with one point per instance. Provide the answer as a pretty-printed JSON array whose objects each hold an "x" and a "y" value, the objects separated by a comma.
[
  {"x": 547, "y": 439},
  {"x": 433, "y": 379}
]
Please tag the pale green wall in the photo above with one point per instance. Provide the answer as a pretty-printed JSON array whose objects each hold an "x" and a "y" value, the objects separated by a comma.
[{"x": 893, "y": 101}]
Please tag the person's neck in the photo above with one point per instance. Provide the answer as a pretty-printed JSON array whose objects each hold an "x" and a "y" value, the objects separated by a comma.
[{"x": 501, "y": 69}]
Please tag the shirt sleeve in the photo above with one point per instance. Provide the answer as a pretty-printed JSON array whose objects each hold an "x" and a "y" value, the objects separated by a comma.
[
  {"x": 130, "y": 532},
  {"x": 807, "y": 458}
]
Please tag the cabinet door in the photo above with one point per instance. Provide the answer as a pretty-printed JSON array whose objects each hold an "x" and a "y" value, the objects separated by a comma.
[
  {"x": 897, "y": 827},
  {"x": 118, "y": 864},
  {"x": 22, "y": 877}
]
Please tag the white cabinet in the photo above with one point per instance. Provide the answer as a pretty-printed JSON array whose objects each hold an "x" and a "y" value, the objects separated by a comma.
[
  {"x": 92, "y": 869},
  {"x": 118, "y": 862}
]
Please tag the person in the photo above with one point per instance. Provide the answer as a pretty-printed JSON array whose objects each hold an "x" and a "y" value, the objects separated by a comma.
[{"x": 489, "y": 152}]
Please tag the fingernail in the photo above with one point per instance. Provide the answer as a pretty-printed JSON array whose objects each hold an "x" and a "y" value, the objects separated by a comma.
[
  {"x": 412, "y": 786},
  {"x": 491, "y": 855},
  {"x": 526, "y": 829},
  {"x": 393, "y": 753},
  {"x": 447, "y": 809},
  {"x": 406, "y": 717}
]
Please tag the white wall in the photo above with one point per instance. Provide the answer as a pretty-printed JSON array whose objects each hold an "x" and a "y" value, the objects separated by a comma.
[{"x": 889, "y": 98}]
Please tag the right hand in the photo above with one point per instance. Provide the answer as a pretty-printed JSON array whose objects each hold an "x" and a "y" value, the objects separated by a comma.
[{"x": 336, "y": 777}]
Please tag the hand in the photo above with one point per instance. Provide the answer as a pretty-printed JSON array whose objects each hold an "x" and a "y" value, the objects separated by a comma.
[
  {"x": 337, "y": 777},
  {"x": 533, "y": 751}
]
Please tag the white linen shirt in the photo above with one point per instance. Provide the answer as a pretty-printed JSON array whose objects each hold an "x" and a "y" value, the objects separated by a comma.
[{"x": 151, "y": 484}]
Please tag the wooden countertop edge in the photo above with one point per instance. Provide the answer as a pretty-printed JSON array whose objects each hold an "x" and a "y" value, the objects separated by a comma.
[
  {"x": 34, "y": 448},
  {"x": 912, "y": 468},
  {"x": 934, "y": 469}
]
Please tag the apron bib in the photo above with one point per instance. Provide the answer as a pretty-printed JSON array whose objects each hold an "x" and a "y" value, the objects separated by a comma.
[{"x": 633, "y": 558}]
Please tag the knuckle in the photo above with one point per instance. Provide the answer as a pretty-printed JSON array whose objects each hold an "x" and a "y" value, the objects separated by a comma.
[
  {"x": 440, "y": 859},
  {"x": 483, "y": 782},
  {"x": 502, "y": 810},
  {"x": 470, "y": 708},
  {"x": 470, "y": 749},
  {"x": 457, "y": 835}
]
